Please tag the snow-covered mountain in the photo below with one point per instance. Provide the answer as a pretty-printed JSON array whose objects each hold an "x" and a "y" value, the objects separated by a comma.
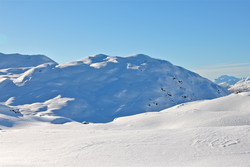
[
  {"x": 241, "y": 86},
  {"x": 226, "y": 81},
  {"x": 20, "y": 61},
  {"x": 100, "y": 88}
]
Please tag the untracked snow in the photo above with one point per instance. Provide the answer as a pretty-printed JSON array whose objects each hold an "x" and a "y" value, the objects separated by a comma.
[{"x": 203, "y": 133}]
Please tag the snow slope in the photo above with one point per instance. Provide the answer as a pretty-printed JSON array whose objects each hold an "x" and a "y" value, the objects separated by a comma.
[
  {"x": 231, "y": 110},
  {"x": 8, "y": 115},
  {"x": 241, "y": 86},
  {"x": 103, "y": 87},
  {"x": 226, "y": 81},
  {"x": 12, "y": 66},
  {"x": 203, "y": 133}
]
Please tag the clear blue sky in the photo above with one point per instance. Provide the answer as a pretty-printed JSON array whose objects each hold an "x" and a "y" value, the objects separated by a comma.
[{"x": 211, "y": 37}]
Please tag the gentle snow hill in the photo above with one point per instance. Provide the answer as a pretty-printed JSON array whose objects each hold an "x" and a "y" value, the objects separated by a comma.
[
  {"x": 241, "y": 86},
  {"x": 231, "y": 110},
  {"x": 226, "y": 81},
  {"x": 203, "y": 133},
  {"x": 101, "y": 87}
]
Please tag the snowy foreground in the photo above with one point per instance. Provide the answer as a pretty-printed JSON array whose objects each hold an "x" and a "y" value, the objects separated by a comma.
[{"x": 202, "y": 133}]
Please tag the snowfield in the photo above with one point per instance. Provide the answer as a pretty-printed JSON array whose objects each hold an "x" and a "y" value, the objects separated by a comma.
[{"x": 203, "y": 133}]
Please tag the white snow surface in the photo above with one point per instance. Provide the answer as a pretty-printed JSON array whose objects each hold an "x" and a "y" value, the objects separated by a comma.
[
  {"x": 202, "y": 133},
  {"x": 101, "y": 87},
  {"x": 241, "y": 86}
]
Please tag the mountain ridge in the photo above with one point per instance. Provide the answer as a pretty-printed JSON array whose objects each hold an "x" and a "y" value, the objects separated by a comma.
[{"x": 106, "y": 87}]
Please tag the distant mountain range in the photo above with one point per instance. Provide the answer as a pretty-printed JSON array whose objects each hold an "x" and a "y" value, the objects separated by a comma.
[
  {"x": 97, "y": 88},
  {"x": 234, "y": 84},
  {"x": 226, "y": 81}
]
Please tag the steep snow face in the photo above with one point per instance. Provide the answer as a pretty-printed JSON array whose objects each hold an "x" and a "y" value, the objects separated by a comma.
[
  {"x": 104, "y": 87},
  {"x": 18, "y": 60},
  {"x": 241, "y": 86},
  {"x": 226, "y": 81}
]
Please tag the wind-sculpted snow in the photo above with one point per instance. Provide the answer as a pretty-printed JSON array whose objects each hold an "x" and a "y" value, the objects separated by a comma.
[
  {"x": 30, "y": 114},
  {"x": 104, "y": 87}
]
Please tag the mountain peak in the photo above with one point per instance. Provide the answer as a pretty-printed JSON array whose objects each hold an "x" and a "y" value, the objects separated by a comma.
[
  {"x": 140, "y": 56},
  {"x": 100, "y": 56}
]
